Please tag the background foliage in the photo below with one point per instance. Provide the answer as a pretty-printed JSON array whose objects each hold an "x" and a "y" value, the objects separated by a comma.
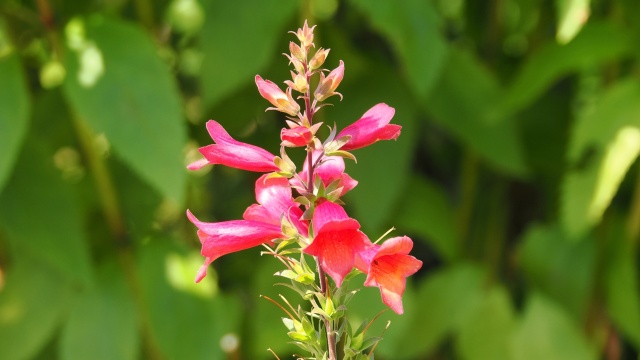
[{"x": 515, "y": 174}]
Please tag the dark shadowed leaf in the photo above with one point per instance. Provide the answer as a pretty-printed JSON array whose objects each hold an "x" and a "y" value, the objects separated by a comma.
[
  {"x": 14, "y": 107},
  {"x": 412, "y": 28},
  {"x": 119, "y": 85},
  {"x": 426, "y": 211},
  {"x": 239, "y": 41},
  {"x": 464, "y": 104},
  {"x": 33, "y": 302},
  {"x": 547, "y": 332},
  {"x": 103, "y": 323}
]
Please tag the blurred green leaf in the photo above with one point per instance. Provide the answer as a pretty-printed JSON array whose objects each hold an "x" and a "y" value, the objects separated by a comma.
[
  {"x": 622, "y": 284},
  {"x": 572, "y": 15},
  {"x": 485, "y": 332},
  {"x": 14, "y": 107},
  {"x": 562, "y": 269},
  {"x": 383, "y": 167},
  {"x": 426, "y": 211},
  {"x": 412, "y": 28},
  {"x": 183, "y": 324},
  {"x": 446, "y": 299},
  {"x": 40, "y": 215},
  {"x": 33, "y": 302},
  {"x": 546, "y": 332},
  {"x": 239, "y": 41},
  {"x": 134, "y": 100},
  {"x": 597, "y": 43},
  {"x": 464, "y": 103},
  {"x": 611, "y": 132},
  {"x": 103, "y": 322}
]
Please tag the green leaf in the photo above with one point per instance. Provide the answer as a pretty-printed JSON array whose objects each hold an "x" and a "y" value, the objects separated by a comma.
[
  {"x": 572, "y": 15},
  {"x": 597, "y": 43},
  {"x": 412, "y": 27},
  {"x": 426, "y": 211},
  {"x": 241, "y": 40},
  {"x": 485, "y": 332},
  {"x": 14, "y": 107},
  {"x": 119, "y": 85},
  {"x": 383, "y": 167},
  {"x": 103, "y": 323},
  {"x": 562, "y": 269},
  {"x": 622, "y": 283},
  {"x": 546, "y": 332},
  {"x": 446, "y": 300},
  {"x": 40, "y": 215},
  {"x": 33, "y": 302},
  {"x": 611, "y": 131},
  {"x": 475, "y": 92},
  {"x": 185, "y": 322}
]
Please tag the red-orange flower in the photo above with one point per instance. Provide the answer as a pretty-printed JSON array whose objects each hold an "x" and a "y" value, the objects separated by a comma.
[
  {"x": 337, "y": 240},
  {"x": 387, "y": 267}
]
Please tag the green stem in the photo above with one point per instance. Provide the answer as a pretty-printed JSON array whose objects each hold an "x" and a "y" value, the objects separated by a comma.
[
  {"x": 469, "y": 179},
  {"x": 111, "y": 209}
]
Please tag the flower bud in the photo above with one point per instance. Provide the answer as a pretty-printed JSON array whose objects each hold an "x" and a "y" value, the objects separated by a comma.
[
  {"x": 329, "y": 84},
  {"x": 297, "y": 52},
  {"x": 305, "y": 35},
  {"x": 299, "y": 83},
  {"x": 318, "y": 59},
  {"x": 298, "y": 136},
  {"x": 281, "y": 101}
]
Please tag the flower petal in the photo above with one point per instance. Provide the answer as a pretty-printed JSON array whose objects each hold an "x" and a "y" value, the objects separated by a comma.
[{"x": 371, "y": 127}]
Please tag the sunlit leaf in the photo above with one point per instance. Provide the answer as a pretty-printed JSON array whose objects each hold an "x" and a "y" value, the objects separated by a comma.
[
  {"x": 103, "y": 322},
  {"x": 119, "y": 85},
  {"x": 14, "y": 107},
  {"x": 183, "y": 324},
  {"x": 33, "y": 302},
  {"x": 486, "y": 331},
  {"x": 546, "y": 332},
  {"x": 597, "y": 43},
  {"x": 561, "y": 269},
  {"x": 464, "y": 104},
  {"x": 40, "y": 215},
  {"x": 240, "y": 41},
  {"x": 611, "y": 132},
  {"x": 412, "y": 28},
  {"x": 572, "y": 15},
  {"x": 425, "y": 210}
]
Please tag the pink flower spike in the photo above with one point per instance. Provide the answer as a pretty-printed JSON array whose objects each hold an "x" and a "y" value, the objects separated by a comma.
[
  {"x": 337, "y": 240},
  {"x": 229, "y": 152},
  {"x": 371, "y": 127},
  {"x": 274, "y": 201},
  {"x": 389, "y": 268},
  {"x": 282, "y": 101},
  {"x": 225, "y": 237},
  {"x": 298, "y": 136}
]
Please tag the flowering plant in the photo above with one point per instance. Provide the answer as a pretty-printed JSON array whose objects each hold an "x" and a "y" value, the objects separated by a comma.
[{"x": 314, "y": 224}]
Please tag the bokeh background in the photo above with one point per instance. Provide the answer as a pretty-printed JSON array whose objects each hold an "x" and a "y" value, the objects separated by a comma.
[{"x": 515, "y": 174}]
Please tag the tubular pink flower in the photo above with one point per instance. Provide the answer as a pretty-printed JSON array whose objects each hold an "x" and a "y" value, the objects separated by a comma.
[
  {"x": 337, "y": 240},
  {"x": 298, "y": 136},
  {"x": 330, "y": 169},
  {"x": 233, "y": 153},
  {"x": 387, "y": 267},
  {"x": 371, "y": 127},
  {"x": 225, "y": 237},
  {"x": 329, "y": 84},
  {"x": 282, "y": 101},
  {"x": 275, "y": 200}
]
